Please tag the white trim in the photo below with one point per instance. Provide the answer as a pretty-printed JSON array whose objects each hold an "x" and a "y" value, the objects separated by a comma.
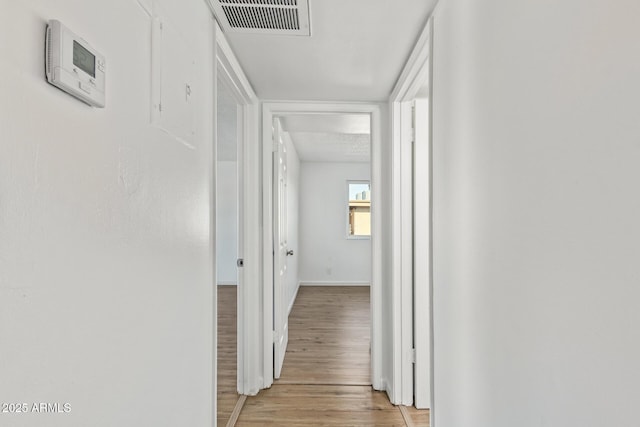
[
  {"x": 414, "y": 75},
  {"x": 225, "y": 283},
  {"x": 212, "y": 270},
  {"x": 232, "y": 69},
  {"x": 416, "y": 70},
  {"x": 249, "y": 319},
  {"x": 401, "y": 381},
  {"x": 407, "y": 265},
  {"x": 432, "y": 407},
  {"x": 422, "y": 257},
  {"x": 267, "y": 250},
  {"x": 252, "y": 296},
  {"x": 271, "y": 109},
  {"x": 376, "y": 250},
  {"x": 312, "y": 283},
  {"x": 394, "y": 385}
]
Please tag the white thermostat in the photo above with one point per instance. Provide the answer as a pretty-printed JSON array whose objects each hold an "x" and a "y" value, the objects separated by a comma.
[{"x": 73, "y": 65}]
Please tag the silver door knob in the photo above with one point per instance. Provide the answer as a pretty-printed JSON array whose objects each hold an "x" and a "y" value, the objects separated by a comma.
[{"x": 290, "y": 252}]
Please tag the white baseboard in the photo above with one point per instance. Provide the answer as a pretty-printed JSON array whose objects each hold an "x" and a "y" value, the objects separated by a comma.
[
  {"x": 227, "y": 284},
  {"x": 383, "y": 387},
  {"x": 389, "y": 391},
  {"x": 308, "y": 283}
]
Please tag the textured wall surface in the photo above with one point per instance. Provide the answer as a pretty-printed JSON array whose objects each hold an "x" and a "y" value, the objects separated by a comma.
[
  {"x": 535, "y": 159},
  {"x": 105, "y": 249}
]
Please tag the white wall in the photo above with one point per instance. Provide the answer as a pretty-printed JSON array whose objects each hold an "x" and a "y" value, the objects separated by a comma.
[
  {"x": 293, "y": 220},
  {"x": 227, "y": 222},
  {"x": 105, "y": 252},
  {"x": 536, "y": 171},
  {"x": 326, "y": 255}
]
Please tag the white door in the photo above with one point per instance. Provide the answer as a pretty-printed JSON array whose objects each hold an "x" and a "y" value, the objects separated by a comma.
[
  {"x": 280, "y": 315},
  {"x": 421, "y": 254}
]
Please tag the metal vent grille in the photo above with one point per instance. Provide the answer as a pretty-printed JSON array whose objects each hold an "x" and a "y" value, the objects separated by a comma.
[
  {"x": 289, "y": 17},
  {"x": 259, "y": 2},
  {"x": 48, "y": 51}
]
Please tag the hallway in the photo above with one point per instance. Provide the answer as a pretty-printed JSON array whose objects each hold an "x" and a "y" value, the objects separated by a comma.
[{"x": 326, "y": 374}]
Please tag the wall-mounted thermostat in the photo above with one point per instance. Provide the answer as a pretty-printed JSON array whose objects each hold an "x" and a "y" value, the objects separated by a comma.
[{"x": 73, "y": 65}]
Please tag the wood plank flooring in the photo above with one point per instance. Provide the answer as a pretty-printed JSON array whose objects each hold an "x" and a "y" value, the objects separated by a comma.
[
  {"x": 415, "y": 417},
  {"x": 319, "y": 405},
  {"x": 227, "y": 353},
  {"x": 326, "y": 374},
  {"x": 329, "y": 335}
]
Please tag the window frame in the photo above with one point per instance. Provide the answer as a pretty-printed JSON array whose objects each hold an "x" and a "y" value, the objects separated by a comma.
[{"x": 347, "y": 228}]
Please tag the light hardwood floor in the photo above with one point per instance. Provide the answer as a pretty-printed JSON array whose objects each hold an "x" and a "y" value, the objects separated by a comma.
[
  {"x": 417, "y": 417},
  {"x": 329, "y": 337},
  {"x": 319, "y": 405},
  {"x": 326, "y": 374},
  {"x": 227, "y": 351}
]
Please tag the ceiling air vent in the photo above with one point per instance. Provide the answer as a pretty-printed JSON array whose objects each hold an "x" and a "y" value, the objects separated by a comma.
[{"x": 285, "y": 17}]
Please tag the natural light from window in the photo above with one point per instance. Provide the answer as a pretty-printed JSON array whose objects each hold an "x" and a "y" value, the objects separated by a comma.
[{"x": 359, "y": 209}]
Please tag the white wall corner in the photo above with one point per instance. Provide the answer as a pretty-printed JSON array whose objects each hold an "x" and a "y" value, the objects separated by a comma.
[{"x": 293, "y": 299}]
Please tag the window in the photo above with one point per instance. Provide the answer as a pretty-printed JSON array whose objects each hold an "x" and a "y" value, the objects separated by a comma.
[{"x": 359, "y": 209}]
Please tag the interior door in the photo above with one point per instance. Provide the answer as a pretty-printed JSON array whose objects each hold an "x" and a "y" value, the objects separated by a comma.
[
  {"x": 280, "y": 315},
  {"x": 422, "y": 253}
]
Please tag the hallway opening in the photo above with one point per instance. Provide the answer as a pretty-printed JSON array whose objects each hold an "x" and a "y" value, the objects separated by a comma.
[
  {"x": 324, "y": 223},
  {"x": 318, "y": 150},
  {"x": 228, "y": 231},
  {"x": 324, "y": 270}
]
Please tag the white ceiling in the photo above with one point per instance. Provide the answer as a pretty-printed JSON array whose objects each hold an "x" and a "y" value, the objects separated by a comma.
[
  {"x": 356, "y": 51},
  {"x": 328, "y": 123},
  {"x": 329, "y": 137},
  {"x": 316, "y": 137},
  {"x": 331, "y": 147}
]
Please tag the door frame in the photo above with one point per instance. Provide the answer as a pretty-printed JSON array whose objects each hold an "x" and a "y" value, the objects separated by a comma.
[
  {"x": 269, "y": 111},
  {"x": 416, "y": 73},
  {"x": 229, "y": 70}
]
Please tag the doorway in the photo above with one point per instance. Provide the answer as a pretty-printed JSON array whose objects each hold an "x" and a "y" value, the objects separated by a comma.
[
  {"x": 237, "y": 229},
  {"x": 277, "y": 327},
  {"x": 411, "y": 135},
  {"x": 228, "y": 248},
  {"x": 322, "y": 247}
]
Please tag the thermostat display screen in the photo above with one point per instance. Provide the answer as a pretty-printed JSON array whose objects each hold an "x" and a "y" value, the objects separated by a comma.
[
  {"x": 84, "y": 59},
  {"x": 73, "y": 65}
]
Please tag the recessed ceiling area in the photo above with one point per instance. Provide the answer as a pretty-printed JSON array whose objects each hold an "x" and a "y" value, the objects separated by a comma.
[
  {"x": 330, "y": 137},
  {"x": 356, "y": 51}
]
